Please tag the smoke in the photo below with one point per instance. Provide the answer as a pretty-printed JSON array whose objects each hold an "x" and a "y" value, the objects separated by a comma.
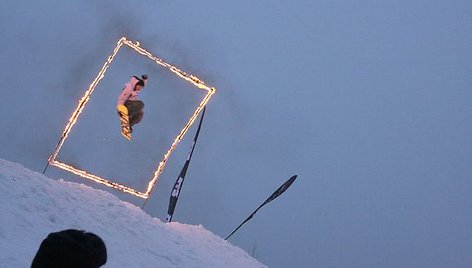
[
  {"x": 118, "y": 19},
  {"x": 56, "y": 62},
  {"x": 51, "y": 53}
]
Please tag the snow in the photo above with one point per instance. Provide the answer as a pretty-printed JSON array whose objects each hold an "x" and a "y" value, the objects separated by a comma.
[{"x": 33, "y": 205}]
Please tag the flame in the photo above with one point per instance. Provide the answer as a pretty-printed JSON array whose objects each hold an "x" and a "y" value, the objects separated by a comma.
[{"x": 82, "y": 103}]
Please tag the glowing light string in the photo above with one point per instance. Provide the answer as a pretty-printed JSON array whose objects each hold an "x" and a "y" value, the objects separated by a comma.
[{"x": 82, "y": 103}]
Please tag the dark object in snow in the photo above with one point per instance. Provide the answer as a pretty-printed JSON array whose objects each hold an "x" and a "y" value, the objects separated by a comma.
[{"x": 72, "y": 249}]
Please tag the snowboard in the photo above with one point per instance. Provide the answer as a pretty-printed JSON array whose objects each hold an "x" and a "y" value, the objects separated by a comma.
[{"x": 124, "y": 121}]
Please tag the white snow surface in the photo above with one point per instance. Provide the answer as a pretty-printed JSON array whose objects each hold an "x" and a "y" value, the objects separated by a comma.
[{"x": 33, "y": 205}]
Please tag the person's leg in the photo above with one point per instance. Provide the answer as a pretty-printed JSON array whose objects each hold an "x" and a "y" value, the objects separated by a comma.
[
  {"x": 134, "y": 106},
  {"x": 135, "y": 111},
  {"x": 136, "y": 118}
]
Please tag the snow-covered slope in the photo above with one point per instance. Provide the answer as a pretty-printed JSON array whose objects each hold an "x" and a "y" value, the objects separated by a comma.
[{"x": 32, "y": 205}]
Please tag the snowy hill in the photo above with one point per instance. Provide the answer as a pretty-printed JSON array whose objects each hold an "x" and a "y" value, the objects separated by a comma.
[{"x": 32, "y": 206}]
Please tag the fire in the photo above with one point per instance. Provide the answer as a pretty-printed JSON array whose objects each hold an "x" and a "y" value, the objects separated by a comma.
[{"x": 82, "y": 103}]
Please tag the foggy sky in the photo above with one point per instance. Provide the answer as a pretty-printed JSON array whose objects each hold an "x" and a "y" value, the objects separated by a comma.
[{"x": 368, "y": 102}]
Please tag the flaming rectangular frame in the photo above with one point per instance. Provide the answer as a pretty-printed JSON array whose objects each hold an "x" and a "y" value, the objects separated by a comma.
[{"x": 152, "y": 182}]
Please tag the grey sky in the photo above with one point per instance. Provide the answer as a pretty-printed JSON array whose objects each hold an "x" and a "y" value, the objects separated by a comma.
[{"x": 369, "y": 102}]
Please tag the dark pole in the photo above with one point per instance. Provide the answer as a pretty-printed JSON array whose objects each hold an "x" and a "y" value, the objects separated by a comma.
[{"x": 273, "y": 196}]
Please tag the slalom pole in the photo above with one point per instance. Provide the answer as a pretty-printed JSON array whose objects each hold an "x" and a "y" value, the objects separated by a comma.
[
  {"x": 273, "y": 196},
  {"x": 187, "y": 162},
  {"x": 55, "y": 149},
  {"x": 175, "y": 193},
  {"x": 144, "y": 203},
  {"x": 237, "y": 228},
  {"x": 46, "y": 167}
]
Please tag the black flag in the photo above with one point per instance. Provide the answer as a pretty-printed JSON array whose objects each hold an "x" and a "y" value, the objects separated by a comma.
[
  {"x": 174, "y": 195},
  {"x": 273, "y": 196}
]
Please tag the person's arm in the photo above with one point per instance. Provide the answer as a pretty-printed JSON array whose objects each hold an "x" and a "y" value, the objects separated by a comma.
[{"x": 125, "y": 94}]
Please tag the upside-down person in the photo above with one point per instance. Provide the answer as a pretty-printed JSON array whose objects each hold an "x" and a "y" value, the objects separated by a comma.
[{"x": 129, "y": 98}]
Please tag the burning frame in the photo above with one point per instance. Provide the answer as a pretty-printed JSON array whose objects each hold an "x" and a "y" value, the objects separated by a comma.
[{"x": 82, "y": 103}]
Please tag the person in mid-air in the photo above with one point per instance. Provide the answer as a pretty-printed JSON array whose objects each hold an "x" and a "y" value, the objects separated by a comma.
[{"x": 128, "y": 98}]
